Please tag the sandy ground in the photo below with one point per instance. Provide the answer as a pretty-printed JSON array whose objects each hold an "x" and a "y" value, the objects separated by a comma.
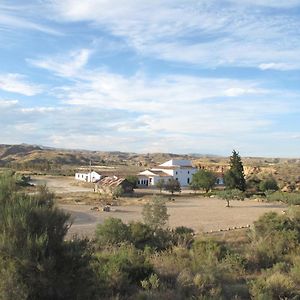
[
  {"x": 60, "y": 184},
  {"x": 199, "y": 213}
]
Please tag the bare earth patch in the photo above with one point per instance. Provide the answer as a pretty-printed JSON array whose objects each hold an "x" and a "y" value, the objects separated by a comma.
[{"x": 199, "y": 213}]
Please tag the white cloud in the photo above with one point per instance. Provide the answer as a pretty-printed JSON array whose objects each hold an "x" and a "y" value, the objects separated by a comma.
[
  {"x": 10, "y": 19},
  {"x": 8, "y": 103},
  {"x": 206, "y": 33},
  {"x": 40, "y": 109},
  {"x": 269, "y": 3},
  {"x": 16, "y": 83},
  {"x": 69, "y": 67},
  {"x": 277, "y": 66}
]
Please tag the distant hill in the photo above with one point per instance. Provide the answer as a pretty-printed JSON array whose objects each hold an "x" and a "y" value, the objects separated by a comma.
[
  {"x": 65, "y": 161},
  {"x": 32, "y": 155}
]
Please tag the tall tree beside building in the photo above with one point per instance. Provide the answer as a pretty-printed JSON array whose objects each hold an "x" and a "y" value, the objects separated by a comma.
[{"x": 235, "y": 177}]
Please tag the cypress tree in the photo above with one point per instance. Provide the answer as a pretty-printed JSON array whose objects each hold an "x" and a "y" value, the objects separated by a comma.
[{"x": 235, "y": 177}]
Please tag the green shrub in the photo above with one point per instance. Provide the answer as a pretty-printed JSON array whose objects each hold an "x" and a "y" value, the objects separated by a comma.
[
  {"x": 121, "y": 269},
  {"x": 273, "y": 285},
  {"x": 270, "y": 222},
  {"x": 34, "y": 255},
  {"x": 183, "y": 236},
  {"x": 112, "y": 231},
  {"x": 269, "y": 184},
  {"x": 288, "y": 198},
  {"x": 155, "y": 213}
]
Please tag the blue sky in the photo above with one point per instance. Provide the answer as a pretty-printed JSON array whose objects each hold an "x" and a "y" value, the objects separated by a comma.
[{"x": 204, "y": 76}]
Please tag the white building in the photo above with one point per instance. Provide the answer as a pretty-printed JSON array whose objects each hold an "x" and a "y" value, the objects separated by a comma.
[
  {"x": 88, "y": 177},
  {"x": 181, "y": 170}
]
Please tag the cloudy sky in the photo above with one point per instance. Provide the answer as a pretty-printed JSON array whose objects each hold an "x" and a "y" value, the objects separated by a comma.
[{"x": 201, "y": 76}]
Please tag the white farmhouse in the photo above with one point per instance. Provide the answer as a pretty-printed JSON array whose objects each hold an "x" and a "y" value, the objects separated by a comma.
[
  {"x": 88, "y": 177},
  {"x": 181, "y": 170}
]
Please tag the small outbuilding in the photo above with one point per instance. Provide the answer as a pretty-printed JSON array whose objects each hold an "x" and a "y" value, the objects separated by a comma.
[
  {"x": 108, "y": 185},
  {"x": 88, "y": 177}
]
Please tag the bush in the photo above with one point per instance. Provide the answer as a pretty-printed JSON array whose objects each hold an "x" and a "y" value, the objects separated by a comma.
[
  {"x": 273, "y": 237},
  {"x": 270, "y": 222},
  {"x": 112, "y": 231},
  {"x": 273, "y": 285},
  {"x": 121, "y": 270},
  {"x": 34, "y": 255},
  {"x": 288, "y": 198},
  {"x": 155, "y": 213},
  {"x": 268, "y": 184},
  {"x": 266, "y": 251},
  {"x": 183, "y": 236}
]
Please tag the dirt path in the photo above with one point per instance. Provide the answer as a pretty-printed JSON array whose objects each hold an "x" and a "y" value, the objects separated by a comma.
[{"x": 199, "y": 213}]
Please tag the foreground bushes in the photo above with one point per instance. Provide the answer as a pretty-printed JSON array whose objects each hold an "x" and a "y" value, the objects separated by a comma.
[
  {"x": 35, "y": 261},
  {"x": 121, "y": 269},
  {"x": 137, "y": 260},
  {"x": 114, "y": 232}
]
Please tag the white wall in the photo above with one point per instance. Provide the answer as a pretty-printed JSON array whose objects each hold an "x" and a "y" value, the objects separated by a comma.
[
  {"x": 184, "y": 175},
  {"x": 88, "y": 177}
]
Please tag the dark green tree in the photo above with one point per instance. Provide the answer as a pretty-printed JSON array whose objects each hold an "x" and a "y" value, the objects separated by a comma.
[
  {"x": 203, "y": 179},
  {"x": 269, "y": 184},
  {"x": 172, "y": 186},
  {"x": 235, "y": 177},
  {"x": 133, "y": 180}
]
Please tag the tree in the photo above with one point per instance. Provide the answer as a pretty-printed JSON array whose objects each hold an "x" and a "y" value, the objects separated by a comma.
[
  {"x": 160, "y": 184},
  {"x": 203, "y": 179},
  {"x": 268, "y": 184},
  {"x": 155, "y": 213},
  {"x": 230, "y": 195},
  {"x": 253, "y": 184},
  {"x": 172, "y": 186},
  {"x": 133, "y": 180},
  {"x": 235, "y": 177}
]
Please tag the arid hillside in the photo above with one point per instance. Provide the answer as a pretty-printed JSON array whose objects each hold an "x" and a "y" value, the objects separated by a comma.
[{"x": 64, "y": 161}]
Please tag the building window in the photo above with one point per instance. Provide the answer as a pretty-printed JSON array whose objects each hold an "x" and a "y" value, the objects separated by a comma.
[
  {"x": 177, "y": 179},
  {"x": 188, "y": 180},
  {"x": 188, "y": 172},
  {"x": 176, "y": 173}
]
